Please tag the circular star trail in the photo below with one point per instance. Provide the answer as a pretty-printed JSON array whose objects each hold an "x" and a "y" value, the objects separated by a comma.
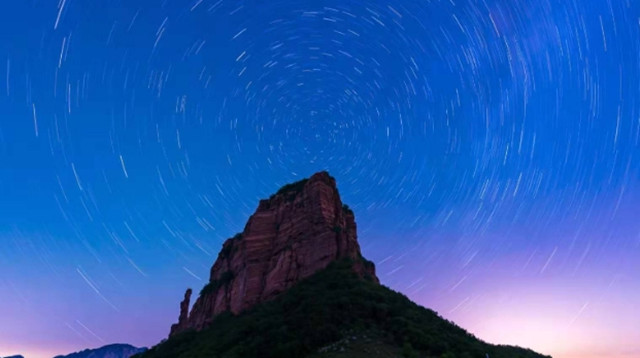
[{"x": 489, "y": 149}]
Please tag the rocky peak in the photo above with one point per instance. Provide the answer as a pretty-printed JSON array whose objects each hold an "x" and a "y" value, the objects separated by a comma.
[
  {"x": 184, "y": 313},
  {"x": 299, "y": 230}
]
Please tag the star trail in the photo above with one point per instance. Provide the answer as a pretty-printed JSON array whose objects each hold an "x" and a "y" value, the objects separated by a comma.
[{"x": 489, "y": 149}]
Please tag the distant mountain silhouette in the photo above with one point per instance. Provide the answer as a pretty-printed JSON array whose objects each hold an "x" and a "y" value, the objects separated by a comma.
[
  {"x": 294, "y": 284},
  {"x": 109, "y": 351},
  {"x": 16, "y": 356}
]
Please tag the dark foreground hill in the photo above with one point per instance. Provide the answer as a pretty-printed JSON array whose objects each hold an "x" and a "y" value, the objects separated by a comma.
[{"x": 334, "y": 313}]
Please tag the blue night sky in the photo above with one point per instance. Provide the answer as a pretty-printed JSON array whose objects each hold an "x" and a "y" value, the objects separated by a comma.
[{"x": 490, "y": 150}]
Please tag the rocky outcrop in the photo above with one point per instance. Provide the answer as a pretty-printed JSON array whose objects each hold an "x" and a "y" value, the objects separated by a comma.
[
  {"x": 296, "y": 232},
  {"x": 184, "y": 314}
]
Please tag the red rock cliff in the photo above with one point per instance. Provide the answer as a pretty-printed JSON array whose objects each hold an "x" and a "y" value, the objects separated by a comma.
[{"x": 299, "y": 230}]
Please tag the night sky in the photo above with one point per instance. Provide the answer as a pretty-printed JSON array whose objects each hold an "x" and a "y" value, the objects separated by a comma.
[{"x": 490, "y": 150}]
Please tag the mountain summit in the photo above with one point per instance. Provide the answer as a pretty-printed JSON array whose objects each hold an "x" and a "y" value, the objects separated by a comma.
[
  {"x": 295, "y": 233},
  {"x": 294, "y": 285}
]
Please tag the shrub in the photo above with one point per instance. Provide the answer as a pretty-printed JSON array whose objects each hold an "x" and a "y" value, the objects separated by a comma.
[{"x": 214, "y": 285}]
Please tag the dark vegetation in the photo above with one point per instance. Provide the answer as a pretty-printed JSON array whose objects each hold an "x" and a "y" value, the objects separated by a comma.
[
  {"x": 237, "y": 236},
  {"x": 212, "y": 286},
  {"x": 227, "y": 246},
  {"x": 368, "y": 264},
  {"x": 293, "y": 187},
  {"x": 291, "y": 190},
  {"x": 332, "y": 306}
]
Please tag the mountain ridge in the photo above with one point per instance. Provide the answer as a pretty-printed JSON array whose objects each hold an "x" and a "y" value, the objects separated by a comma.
[
  {"x": 333, "y": 314},
  {"x": 116, "y": 350},
  {"x": 331, "y": 305}
]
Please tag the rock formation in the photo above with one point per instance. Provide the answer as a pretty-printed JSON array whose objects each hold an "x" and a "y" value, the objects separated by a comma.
[
  {"x": 296, "y": 232},
  {"x": 184, "y": 313}
]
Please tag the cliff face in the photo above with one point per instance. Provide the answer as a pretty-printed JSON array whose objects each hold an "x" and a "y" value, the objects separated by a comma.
[{"x": 298, "y": 231}]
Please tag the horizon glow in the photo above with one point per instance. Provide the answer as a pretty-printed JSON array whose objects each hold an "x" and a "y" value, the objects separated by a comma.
[{"x": 490, "y": 151}]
